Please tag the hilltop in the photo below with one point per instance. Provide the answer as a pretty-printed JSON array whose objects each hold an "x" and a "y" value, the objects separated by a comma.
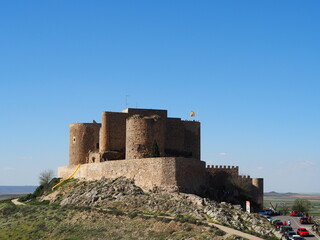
[
  {"x": 118, "y": 209},
  {"x": 276, "y": 194}
]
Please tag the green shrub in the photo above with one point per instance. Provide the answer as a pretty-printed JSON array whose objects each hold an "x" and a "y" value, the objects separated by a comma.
[
  {"x": 132, "y": 214},
  {"x": 8, "y": 209},
  {"x": 115, "y": 211},
  {"x": 220, "y": 233},
  {"x": 186, "y": 218}
]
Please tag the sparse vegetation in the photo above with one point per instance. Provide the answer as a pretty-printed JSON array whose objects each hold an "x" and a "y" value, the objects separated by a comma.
[
  {"x": 73, "y": 222},
  {"x": 45, "y": 177},
  {"x": 39, "y": 191},
  {"x": 117, "y": 209}
]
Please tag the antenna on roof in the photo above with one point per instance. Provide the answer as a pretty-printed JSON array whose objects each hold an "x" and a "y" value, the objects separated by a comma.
[{"x": 127, "y": 95}]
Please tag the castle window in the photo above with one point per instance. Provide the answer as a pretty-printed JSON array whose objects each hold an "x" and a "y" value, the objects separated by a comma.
[{"x": 74, "y": 139}]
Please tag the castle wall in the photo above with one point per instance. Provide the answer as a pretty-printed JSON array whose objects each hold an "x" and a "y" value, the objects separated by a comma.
[
  {"x": 257, "y": 191},
  {"x": 142, "y": 134},
  {"x": 190, "y": 175},
  {"x": 170, "y": 174},
  {"x": 230, "y": 170},
  {"x": 94, "y": 157},
  {"x": 192, "y": 138},
  {"x": 83, "y": 138},
  {"x": 113, "y": 132},
  {"x": 146, "y": 112},
  {"x": 174, "y": 138}
]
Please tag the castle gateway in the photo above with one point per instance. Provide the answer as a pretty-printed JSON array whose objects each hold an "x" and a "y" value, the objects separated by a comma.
[{"x": 158, "y": 152}]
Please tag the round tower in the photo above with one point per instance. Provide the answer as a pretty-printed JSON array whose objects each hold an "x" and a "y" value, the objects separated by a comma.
[
  {"x": 84, "y": 137},
  {"x": 104, "y": 133},
  {"x": 145, "y": 136},
  {"x": 257, "y": 184}
]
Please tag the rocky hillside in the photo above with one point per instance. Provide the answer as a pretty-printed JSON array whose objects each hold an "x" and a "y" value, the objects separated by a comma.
[{"x": 117, "y": 209}]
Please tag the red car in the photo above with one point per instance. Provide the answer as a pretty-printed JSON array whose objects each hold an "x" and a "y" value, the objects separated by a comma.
[
  {"x": 278, "y": 224},
  {"x": 294, "y": 213},
  {"x": 303, "y": 232}
]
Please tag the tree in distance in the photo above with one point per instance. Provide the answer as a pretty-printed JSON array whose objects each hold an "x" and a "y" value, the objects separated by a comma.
[
  {"x": 45, "y": 177},
  {"x": 301, "y": 205}
]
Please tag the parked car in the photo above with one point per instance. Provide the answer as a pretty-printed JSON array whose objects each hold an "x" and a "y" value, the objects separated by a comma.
[
  {"x": 297, "y": 237},
  {"x": 289, "y": 234},
  {"x": 273, "y": 221},
  {"x": 304, "y": 220},
  {"x": 284, "y": 229},
  {"x": 294, "y": 213},
  {"x": 278, "y": 224},
  {"x": 266, "y": 212},
  {"x": 303, "y": 232}
]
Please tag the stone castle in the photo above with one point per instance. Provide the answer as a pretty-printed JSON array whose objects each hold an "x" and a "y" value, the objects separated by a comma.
[{"x": 159, "y": 153}]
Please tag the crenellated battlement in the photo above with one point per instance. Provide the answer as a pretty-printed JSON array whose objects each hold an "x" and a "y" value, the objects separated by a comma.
[
  {"x": 222, "y": 167},
  {"x": 216, "y": 169},
  {"x": 245, "y": 176}
]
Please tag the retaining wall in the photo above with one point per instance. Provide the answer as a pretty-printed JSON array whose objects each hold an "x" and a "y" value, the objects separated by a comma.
[{"x": 169, "y": 174}]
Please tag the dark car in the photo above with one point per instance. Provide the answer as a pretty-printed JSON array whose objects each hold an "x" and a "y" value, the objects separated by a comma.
[
  {"x": 304, "y": 220},
  {"x": 266, "y": 212},
  {"x": 303, "y": 232},
  {"x": 284, "y": 229}
]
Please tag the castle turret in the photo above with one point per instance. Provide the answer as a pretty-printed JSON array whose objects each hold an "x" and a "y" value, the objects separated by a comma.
[
  {"x": 84, "y": 137},
  {"x": 143, "y": 134},
  {"x": 257, "y": 184},
  {"x": 104, "y": 133}
]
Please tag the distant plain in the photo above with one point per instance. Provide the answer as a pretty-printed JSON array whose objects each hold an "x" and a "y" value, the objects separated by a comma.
[
  {"x": 285, "y": 200},
  {"x": 15, "y": 191}
]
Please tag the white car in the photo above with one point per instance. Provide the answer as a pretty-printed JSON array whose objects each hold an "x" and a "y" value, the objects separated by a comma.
[{"x": 297, "y": 237}]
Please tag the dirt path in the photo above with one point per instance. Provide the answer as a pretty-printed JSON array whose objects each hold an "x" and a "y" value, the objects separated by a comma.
[
  {"x": 16, "y": 202},
  {"x": 231, "y": 231}
]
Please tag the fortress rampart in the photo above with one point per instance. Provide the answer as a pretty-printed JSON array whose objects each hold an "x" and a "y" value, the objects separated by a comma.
[
  {"x": 168, "y": 174},
  {"x": 232, "y": 170},
  {"x": 156, "y": 151}
]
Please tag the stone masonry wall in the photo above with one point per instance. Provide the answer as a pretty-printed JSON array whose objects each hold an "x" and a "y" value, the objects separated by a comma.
[
  {"x": 170, "y": 174},
  {"x": 192, "y": 138},
  {"x": 257, "y": 190},
  {"x": 190, "y": 175},
  {"x": 141, "y": 134},
  {"x": 146, "y": 112},
  {"x": 174, "y": 138},
  {"x": 83, "y": 138},
  {"x": 231, "y": 170},
  {"x": 113, "y": 132}
]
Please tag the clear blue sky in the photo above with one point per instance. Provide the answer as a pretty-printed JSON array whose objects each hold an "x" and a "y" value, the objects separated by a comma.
[{"x": 249, "y": 69}]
